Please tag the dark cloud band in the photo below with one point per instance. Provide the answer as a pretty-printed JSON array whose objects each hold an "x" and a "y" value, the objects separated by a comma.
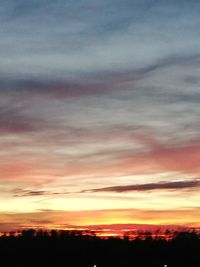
[{"x": 151, "y": 186}]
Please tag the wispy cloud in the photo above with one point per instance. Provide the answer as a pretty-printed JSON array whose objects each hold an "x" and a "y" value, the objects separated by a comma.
[
  {"x": 66, "y": 39},
  {"x": 36, "y": 193},
  {"x": 101, "y": 95}
]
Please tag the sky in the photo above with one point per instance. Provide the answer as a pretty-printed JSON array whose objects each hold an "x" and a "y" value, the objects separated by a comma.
[{"x": 99, "y": 113}]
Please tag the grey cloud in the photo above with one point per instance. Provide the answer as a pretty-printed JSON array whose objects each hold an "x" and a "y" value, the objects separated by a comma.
[
  {"x": 66, "y": 38},
  {"x": 59, "y": 90},
  {"x": 97, "y": 83},
  {"x": 137, "y": 74},
  {"x": 185, "y": 184}
]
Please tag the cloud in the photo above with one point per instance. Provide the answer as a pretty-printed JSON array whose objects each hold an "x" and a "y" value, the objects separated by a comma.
[
  {"x": 58, "y": 219},
  {"x": 163, "y": 158},
  {"x": 35, "y": 193},
  {"x": 63, "y": 39},
  {"x": 100, "y": 81},
  {"x": 57, "y": 89},
  {"x": 27, "y": 193},
  {"x": 150, "y": 186},
  {"x": 13, "y": 120},
  {"x": 99, "y": 89}
]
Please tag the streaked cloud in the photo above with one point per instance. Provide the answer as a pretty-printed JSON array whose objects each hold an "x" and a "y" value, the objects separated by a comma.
[
  {"x": 63, "y": 39},
  {"x": 151, "y": 186},
  {"x": 100, "y": 96}
]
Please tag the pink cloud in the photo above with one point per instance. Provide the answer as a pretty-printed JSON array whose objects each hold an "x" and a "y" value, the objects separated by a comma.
[{"x": 183, "y": 159}]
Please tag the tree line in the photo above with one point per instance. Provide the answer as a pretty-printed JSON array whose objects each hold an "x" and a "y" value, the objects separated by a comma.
[{"x": 54, "y": 248}]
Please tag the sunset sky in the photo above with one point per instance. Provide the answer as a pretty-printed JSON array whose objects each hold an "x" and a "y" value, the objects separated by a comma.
[{"x": 99, "y": 113}]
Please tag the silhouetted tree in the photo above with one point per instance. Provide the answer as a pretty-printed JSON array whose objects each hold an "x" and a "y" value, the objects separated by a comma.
[{"x": 83, "y": 249}]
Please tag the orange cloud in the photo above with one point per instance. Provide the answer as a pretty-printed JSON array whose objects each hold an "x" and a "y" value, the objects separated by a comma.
[{"x": 66, "y": 219}]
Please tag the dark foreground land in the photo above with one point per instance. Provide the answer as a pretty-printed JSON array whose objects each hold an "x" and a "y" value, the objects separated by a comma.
[{"x": 75, "y": 249}]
